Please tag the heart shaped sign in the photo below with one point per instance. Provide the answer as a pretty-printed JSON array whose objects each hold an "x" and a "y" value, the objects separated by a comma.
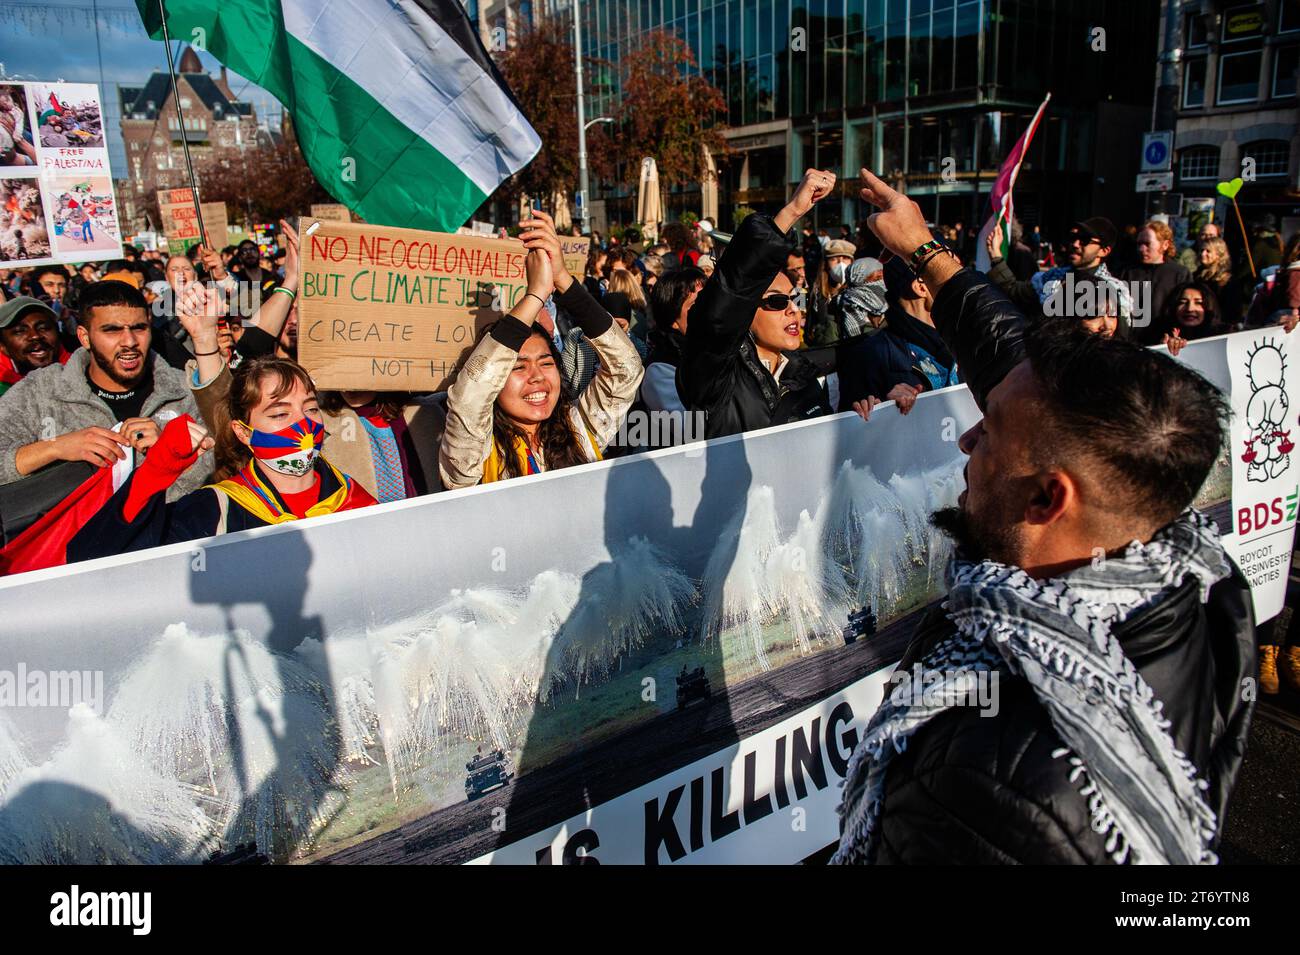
[{"x": 1230, "y": 189}]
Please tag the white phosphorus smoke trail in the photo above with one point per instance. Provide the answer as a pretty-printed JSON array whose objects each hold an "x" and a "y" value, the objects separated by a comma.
[
  {"x": 476, "y": 666},
  {"x": 97, "y": 801},
  {"x": 12, "y": 760},
  {"x": 879, "y": 535},
  {"x": 251, "y": 730},
  {"x": 624, "y": 603},
  {"x": 736, "y": 578},
  {"x": 866, "y": 545},
  {"x": 468, "y": 671},
  {"x": 345, "y": 662}
]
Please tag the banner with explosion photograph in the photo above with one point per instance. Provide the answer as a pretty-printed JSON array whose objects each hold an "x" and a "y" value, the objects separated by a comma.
[
  {"x": 57, "y": 203},
  {"x": 527, "y": 671}
]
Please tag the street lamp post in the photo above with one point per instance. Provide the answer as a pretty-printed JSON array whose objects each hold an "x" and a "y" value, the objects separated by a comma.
[{"x": 583, "y": 212}]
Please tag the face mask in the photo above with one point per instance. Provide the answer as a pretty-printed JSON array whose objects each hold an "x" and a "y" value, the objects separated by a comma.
[
  {"x": 291, "y": 451},
  {"x": 838, "y": 273}
]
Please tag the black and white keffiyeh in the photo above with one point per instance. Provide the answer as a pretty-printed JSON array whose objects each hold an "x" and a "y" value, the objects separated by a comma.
[{"x": 1144, "y": 795}]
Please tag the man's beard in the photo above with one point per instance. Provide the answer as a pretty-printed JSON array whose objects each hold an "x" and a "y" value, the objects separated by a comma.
[
  {"x": 975, "y": 539},
  {"x": 105, "y": 364}
]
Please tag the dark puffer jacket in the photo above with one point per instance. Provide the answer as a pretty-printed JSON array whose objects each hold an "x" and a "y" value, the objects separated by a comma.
[
  {"x": 720, "y": 372},
  {"x": 986, "y": 789}
]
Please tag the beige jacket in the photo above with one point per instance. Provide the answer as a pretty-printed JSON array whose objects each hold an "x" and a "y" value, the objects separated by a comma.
[
  {"x": 346, "y": 446},
  {"x": 467, "y": 439}
]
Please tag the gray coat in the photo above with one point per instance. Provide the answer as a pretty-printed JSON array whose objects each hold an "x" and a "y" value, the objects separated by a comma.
[{"x": 57, "y": 399}]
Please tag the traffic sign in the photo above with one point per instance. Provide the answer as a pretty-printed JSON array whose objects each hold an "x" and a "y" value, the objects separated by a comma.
[
  {"x": 1157, "y": 151},
  {"x": 1155, "y": 182}
]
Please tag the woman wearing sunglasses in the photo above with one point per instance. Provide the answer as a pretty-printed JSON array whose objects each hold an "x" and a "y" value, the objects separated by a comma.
[{"x": 741, "y": 364}]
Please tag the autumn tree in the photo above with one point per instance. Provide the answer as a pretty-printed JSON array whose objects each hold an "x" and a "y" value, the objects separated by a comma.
[
  {"x": 263, "y": 183},
  {"x": 539, "y": 69},
  {"x": 668, "y": 111}
]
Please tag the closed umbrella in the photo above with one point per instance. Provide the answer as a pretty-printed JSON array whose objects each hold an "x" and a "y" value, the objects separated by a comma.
[
  {"x": 709, "y": 188},
  {"x": 649, "y": 207}
]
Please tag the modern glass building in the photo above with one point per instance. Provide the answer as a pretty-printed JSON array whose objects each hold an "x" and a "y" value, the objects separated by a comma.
[{"x": 931, "y": 92}]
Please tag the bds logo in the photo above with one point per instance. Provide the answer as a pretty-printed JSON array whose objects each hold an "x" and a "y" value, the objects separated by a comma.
[{"x": 1265, "y": 514}]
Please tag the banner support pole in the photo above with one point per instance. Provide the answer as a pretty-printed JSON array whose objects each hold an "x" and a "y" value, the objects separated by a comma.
[{"x": 180, "y": 115}]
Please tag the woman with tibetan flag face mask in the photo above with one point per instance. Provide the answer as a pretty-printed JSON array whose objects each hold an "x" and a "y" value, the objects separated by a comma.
[{"x": 268, "y": 454}]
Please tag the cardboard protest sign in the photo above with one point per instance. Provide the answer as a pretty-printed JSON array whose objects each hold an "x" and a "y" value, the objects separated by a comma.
[
  {"x": 385, "y": 309},
  {"x": 180, "y": 221},
  {"x": 575, "y": 252},
  {"x": 216, "y": 224},
  {"x": 331, "y": 211}
]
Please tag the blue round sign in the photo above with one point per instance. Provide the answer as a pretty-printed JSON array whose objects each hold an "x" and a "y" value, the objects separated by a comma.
[{"x": 1156, "y": 152}]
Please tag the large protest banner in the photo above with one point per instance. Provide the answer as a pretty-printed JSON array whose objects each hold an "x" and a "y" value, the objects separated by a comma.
[
  {"x": 660, "y": 674},
  {"x": 388, "y": 309},
  {"x": 57, "y": 203}
]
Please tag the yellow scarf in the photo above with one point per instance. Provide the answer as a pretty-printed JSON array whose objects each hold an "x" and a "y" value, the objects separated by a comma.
[
  {"x": 248, "y": 491},
  {"x": 494, "y": 467}
]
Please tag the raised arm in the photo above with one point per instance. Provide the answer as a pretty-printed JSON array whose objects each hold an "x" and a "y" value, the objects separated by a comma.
[
  {"x": 722, "y": 314},
  {"x": 979, "y": 324},
  {"x": 605, "y": 401},
  {"x": 273, "y": 311},
  {"x": 467, "y": 437}
]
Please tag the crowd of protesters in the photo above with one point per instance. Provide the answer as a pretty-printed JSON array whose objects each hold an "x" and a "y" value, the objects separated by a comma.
[{"x": 184, "y": 367}]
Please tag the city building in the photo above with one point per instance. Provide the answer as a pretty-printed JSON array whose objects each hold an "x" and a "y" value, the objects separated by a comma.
[
  {"x": 216, "y": 125},
  {"x": 931, "y": 92},
  {"x": 1237, "y": 112}
]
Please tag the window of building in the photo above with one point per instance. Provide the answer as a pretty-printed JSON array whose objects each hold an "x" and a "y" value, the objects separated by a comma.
[
  {"x": 1195, "y": 30},
  {"x": 895, "y": 59},
  {"x": 1288, "y": 17},
  {"x": 1239, "y": 76},
  {"x": 1272, "y": 156},
  {"x": 1242, "y": 23},
  {"x": 1286, "y": 60},
  {"x": 968, "y": 37},
  {"x": 1199, "y": 162},
  {"x": 1194, "y": 82}
]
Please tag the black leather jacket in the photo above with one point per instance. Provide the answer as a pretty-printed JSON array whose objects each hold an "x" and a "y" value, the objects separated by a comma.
[
  {"x": 986, "y": 789},
  {"x": 720, "y": 372}
]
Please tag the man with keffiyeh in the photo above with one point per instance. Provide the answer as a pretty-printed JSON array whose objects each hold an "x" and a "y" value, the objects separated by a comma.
[{"x": 1121, "y": 634}]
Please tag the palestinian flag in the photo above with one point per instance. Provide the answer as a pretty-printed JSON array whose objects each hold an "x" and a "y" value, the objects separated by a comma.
[
  {"x": 1000, "y": 207},
  {"x": 400, "y": 112}
]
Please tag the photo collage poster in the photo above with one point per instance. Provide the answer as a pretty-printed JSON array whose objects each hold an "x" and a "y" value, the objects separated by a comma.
[{"x": 57, "y": 203}]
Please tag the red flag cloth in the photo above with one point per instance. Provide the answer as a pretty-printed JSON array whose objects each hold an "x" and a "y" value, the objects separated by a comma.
[
  {"x": 9, "y": 373},
  {"x": 45, "y": 543}
]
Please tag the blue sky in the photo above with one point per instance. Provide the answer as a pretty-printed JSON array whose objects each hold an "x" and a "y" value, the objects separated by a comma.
[{"x": 94, "y": 41}]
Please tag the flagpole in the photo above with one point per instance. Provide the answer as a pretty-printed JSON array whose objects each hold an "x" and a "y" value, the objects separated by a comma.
[{"x": 180, "y": 115}]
